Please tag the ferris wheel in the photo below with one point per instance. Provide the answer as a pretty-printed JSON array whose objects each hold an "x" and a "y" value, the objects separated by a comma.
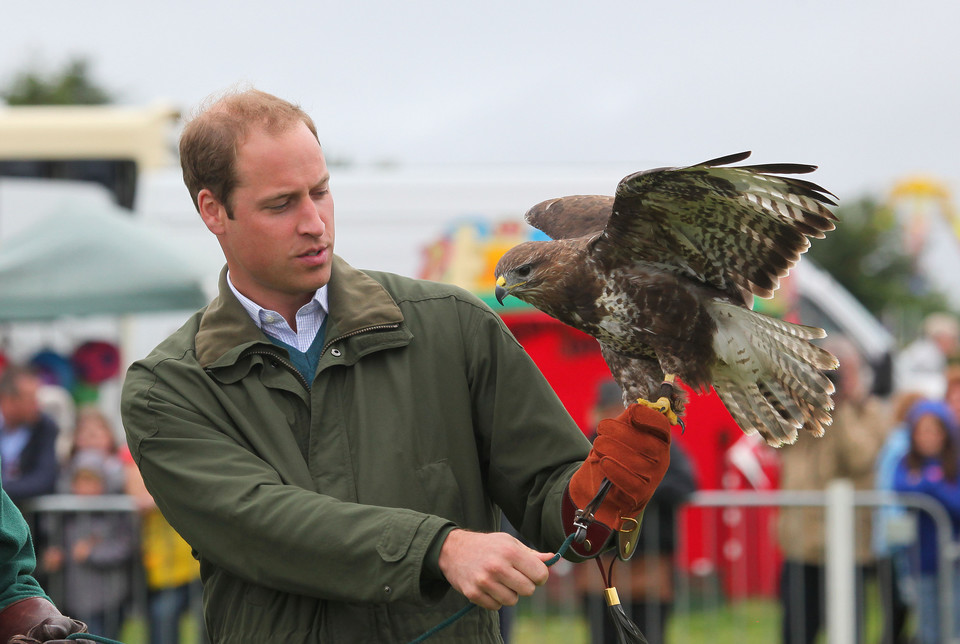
[
  {"x": 920, "y": 202},
  {"x": 923, "y": 207}
]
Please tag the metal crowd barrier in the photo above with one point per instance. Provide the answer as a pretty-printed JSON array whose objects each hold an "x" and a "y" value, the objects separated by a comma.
[
  {"x": 839, "y": 501},
  {"x": 48, "y": 515},
  {"x": 728, "y": 590},
  {"x": 709, "y": 590}
]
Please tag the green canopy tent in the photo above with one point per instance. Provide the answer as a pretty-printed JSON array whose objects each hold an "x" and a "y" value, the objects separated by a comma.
[{"x": 93, "y": 262}]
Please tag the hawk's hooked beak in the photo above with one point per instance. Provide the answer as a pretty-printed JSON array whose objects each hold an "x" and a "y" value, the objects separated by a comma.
[{"x": 501, "y": 291}]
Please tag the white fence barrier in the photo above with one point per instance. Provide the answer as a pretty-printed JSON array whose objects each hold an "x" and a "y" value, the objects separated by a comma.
[{"x": 700, "y": 590}]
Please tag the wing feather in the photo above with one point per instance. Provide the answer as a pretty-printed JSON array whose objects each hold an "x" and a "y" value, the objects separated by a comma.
[
  {"x": 739, "y": 229},
  {"x": 571, "y": 217}
]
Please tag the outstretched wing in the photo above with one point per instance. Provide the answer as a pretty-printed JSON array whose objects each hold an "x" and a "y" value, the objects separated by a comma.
[
  {"x": 738, "y": 229},
  {"x": 571, "y": 217}
]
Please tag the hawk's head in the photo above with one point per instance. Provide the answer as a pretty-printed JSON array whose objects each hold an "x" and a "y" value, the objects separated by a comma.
[{"x": 526, "y": 269}]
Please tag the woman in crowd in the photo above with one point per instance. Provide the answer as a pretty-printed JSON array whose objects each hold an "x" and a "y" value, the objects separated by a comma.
[{"x": 931, "y": 467}]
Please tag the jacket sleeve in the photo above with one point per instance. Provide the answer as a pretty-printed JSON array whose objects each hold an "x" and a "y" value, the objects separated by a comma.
[
  {"x": 530, "y": 443},
  {"x": 17, "y": 559},
  {"x": 233, "y": 508}
]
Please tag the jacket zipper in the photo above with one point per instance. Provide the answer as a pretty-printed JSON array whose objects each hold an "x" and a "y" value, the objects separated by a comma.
[
  {"x": 303, "y": 381},
  {"x": 286, "y": 363},
  {"x": 376, "y": 327}
]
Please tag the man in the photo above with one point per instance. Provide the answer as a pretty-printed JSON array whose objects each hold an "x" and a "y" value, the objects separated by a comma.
[
  {"x": 848, "y": 450},
  {"x": 335, "y": 444},
  {"x": 922, "y": 363},
  {"x": 27, "y": 437}
]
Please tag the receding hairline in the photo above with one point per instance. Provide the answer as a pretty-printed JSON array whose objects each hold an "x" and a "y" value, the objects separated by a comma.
[
  {"x": 248, "y": 108},
  {"x": 219, "y": 125}
]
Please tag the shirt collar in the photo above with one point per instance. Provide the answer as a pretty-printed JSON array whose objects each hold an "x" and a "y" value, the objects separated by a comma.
[{"x": 265, "y": 317}]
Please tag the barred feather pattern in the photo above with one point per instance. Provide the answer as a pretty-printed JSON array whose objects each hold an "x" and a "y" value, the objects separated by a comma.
[
  {"x": 663, "y": 274},
  {"x": 737, "y": 229},
  {"x": 769, "y": 375}
]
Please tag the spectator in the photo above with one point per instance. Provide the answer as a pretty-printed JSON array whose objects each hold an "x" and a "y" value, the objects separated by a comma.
[
  {"x": 931, "y": 467},
  {"x": 888, "y": 544},
  {"x": 93, "y": 433},
  {"x": 647, "y": 596},
  {"x": 27, "y": 437},
  {"x": 172, "y": 573},
  {"x": 922, "y": 364},
  {"x": 96, "y": 551},
  {"x": 847, "y": 450}
]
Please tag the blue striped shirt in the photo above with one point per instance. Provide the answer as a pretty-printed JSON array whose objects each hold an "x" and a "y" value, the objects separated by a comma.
[{"x": 309, "y": 318}]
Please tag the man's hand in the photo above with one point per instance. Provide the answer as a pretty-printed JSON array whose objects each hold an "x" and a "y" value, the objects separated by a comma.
[{"x": 492, "y": 569}]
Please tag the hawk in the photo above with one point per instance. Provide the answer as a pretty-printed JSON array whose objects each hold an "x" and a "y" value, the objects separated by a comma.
[{"x": 663, "y": 274}]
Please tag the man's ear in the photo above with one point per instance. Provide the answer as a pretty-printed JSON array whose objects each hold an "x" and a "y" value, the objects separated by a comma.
[{"x": 212, "y": 211}]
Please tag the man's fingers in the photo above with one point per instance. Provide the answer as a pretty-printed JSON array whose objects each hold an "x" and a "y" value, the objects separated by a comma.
[
  {"x": 492, "y": 570},
  {"x": 536, "y": 569}
]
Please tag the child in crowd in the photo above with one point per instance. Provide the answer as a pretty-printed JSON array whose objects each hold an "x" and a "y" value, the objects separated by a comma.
[
  {"x": 93, "y": 432},
  {"x": 95, "y": 560},
  {"x": 931, "y": 467}
]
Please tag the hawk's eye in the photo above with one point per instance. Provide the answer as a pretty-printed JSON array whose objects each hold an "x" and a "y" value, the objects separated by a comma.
[{"x": 524, "y": 270}]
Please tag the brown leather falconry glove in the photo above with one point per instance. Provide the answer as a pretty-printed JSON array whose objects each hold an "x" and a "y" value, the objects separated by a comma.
[
  {"x": 34, "y": 620},
  {"x": 633, "y": 452}
]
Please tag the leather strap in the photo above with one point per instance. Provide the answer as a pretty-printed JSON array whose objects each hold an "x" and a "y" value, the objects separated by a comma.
[{"x": 598, "y": 534}]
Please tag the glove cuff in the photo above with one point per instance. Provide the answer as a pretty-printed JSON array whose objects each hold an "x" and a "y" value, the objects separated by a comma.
[
  {"x": 598, "y": 533},
  {"x": 26, "y": 621}
]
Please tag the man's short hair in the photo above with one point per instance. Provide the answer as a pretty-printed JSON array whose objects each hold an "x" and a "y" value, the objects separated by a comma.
[{"x": 209, "y": 143}]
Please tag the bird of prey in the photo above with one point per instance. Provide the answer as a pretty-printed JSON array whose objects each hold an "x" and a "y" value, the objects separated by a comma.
[{"x": 663, "y": 275}]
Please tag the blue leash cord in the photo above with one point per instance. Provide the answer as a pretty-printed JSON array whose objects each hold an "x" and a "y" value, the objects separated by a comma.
[
  {"x": 433, "y": 631},
  {"x": 466, "y": 609},
  {"x": 92, "y": 638}
]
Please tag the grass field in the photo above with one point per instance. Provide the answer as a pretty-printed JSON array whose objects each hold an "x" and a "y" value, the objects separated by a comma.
[{"x": 742, "y": 622}]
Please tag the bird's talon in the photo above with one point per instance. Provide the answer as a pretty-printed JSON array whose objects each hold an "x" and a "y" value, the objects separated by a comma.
[{"x": 661, "y": 405}]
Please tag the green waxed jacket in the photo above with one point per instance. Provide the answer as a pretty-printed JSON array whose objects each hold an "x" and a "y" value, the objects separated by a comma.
[
  {"x": 17, "y": 559},
  {"x": 312, "y": 510}
]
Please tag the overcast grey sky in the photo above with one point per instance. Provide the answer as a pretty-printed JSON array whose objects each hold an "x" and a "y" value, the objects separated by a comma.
[{"x": 868, "y": 90}]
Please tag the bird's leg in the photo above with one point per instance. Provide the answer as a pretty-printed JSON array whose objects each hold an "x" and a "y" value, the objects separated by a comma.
[{"x": 662, "y": 403}]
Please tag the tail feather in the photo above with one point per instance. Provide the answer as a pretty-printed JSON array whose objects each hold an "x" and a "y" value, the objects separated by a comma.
[{"x": 771, "y": 376}]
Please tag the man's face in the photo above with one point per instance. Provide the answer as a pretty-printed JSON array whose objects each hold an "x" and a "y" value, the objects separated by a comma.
[
  {"x": 929, "y": 436},
  {"x": 279, "y": 244},
  {"x": 22, "y": 406}
]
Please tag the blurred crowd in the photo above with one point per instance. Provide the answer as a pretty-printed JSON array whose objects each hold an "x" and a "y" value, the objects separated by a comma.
[
  {"x": 100, "y": 565},
  {"x": 904, "y": 441},
  {"x": 95, "y": 564}
]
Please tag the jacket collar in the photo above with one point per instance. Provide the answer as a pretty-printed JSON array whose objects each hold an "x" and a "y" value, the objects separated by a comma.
[{"x": 357, "y": 303}]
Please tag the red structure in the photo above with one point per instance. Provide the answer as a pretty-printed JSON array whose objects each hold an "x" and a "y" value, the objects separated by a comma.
[
  {"x": 736, "y": 545},
  {"x": 725, "y": 545}
]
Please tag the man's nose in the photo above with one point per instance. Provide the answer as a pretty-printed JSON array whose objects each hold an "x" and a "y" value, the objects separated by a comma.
[{"x": 311, "y": 219}]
